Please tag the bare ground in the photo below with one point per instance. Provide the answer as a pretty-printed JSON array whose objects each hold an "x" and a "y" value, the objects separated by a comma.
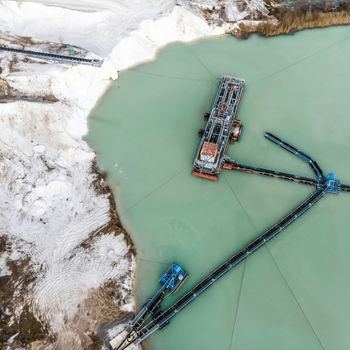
[
  {"x": 285, "y": 18},
  {"x": 13, "y": 292}
]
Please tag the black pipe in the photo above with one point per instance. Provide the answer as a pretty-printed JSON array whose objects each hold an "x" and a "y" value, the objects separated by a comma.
[
  {"x": 273, "y": 173},
  {"x": 314, "y": 166}
]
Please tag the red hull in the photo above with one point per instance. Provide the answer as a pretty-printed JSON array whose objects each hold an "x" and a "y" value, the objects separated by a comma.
[
  {"x": 205, "y": 176},
  {"x": 227, "y": 166}
]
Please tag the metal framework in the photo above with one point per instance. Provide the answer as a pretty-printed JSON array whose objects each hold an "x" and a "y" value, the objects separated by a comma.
[{"x": 222, "y": 127}]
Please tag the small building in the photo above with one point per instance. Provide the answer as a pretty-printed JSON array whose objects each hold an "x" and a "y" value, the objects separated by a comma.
[{"x": 209, "y": 152}]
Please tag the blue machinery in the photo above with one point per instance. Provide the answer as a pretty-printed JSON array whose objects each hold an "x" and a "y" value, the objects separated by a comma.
[
  {"x": 139, "y": 329},
  {"x": 171, "y": 282},
  {"x": 173, "y": 278}
]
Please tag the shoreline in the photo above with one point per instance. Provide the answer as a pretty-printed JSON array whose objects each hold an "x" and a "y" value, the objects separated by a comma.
[
  {"x": 293, "y": 24},
  {"x": 144, "y": 43}
]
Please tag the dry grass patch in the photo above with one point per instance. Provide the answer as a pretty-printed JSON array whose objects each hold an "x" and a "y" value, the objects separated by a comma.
[{"x": 283, "y": 21}]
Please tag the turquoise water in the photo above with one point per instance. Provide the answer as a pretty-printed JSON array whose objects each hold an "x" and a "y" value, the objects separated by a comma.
[{"x": 293, "y": 294}]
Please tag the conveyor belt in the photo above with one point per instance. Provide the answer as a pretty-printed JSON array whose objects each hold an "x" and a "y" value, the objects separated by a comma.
[
  {"x": 250, "y": 169},
  {"x": 320, "y": 180},
  {"x": 345, "y": 188},
  {"x": 164, "y": 318},
  {"x": 314, "y": 166},
  {"x": 271, "y": 173},
  {"x": 55, "y": 57},
  {"x": 149, "y": 307}
]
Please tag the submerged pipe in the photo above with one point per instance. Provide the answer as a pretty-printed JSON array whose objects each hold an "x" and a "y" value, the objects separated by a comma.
[{"x": 314, "y": 166}]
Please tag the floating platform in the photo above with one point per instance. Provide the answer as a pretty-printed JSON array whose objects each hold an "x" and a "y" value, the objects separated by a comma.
[
  {"x": 221, "y": 129},
  {"x": 174, "y": 278}
]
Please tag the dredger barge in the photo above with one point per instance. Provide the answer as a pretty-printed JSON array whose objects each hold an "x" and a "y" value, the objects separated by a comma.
[{"x": 222, "y": 128}]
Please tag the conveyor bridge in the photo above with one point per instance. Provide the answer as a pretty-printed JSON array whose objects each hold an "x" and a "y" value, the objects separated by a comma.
[
  {"x": 334, "y": 185},
  {"x": 55, "y": 57}
]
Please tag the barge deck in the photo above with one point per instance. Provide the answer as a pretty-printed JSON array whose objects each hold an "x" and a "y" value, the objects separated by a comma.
[{"x": 222, "y": 128}]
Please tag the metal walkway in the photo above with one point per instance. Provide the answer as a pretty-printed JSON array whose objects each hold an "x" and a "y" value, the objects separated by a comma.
[{"x": 55, "y": 57}]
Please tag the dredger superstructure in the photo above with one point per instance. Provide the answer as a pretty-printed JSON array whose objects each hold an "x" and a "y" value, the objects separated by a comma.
[{"x": 222, "y": 128}]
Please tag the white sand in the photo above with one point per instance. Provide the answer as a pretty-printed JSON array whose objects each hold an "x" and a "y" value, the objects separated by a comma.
[{"x": 48, "y": 206}]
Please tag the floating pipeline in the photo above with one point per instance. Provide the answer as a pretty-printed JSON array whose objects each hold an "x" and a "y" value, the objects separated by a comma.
[
  {"x": 222, "y": 128},
  {"x": 163, "y": 318},
  {"x": 332, "y": 184}
]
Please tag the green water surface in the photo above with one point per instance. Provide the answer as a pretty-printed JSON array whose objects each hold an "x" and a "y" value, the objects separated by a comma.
[{"x": 293, "y": 294}]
